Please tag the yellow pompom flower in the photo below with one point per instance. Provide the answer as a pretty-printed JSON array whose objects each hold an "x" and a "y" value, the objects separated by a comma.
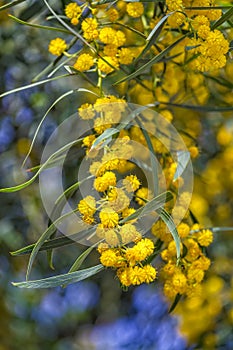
[
  {"x": 112, "y": 14},
  {"x": 119, "y": 39},
  {"x": 125, "y": 56},
  {"x": 111, "y": 237},
  {"x": 84, "y": 62},
  {"x": 110, "y": 50},
  {"x": 107, "y": 64},
  {"x": 88, "y": 141},
  {"x": 87, "y": 206},
  {"x": 86, "y": 111},
  {"x": 179, "y": 282},
  {"x": 135, "y": 9},
  {"x": 131, "y": 183},
  {"x": 107, "y": 35},
  {"x": 194, "y": 151},
  {"x": 205, "y": 238},
  {"x": 141, "y": 194},
  {"x": 129, "y": 233},
  {"x": 109, "y": 258},
  {"x": 149, "y": 273},
  {"x": 57, "y": 46},
  {"x": 73, "y": 12},
  {"x": 127, "y": 212},
  {"x": 183, "y": 230},
  {"x": 102, "y": 183},
  {"x": 89, "y": 27},
  {"x": 140, "y": 251},
  {"x": 195, "y": 275},
  {"x": 108, "y": 218},
  {"x": 124, "y": 276}
]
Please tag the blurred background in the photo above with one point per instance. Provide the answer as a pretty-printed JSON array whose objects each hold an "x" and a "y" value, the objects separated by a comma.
[{"x": 96, "y": 314}]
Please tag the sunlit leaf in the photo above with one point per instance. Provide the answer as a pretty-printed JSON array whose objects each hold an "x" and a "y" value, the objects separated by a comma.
[
  {"x": 167, "y": 219},
  {"x": 183, "y": 158},
  {"x": 223, "y": 18},
  {"x": 151, "y": 206},
  {"x": 60, "y": 280},
  {"x": 18, "y": 20}
]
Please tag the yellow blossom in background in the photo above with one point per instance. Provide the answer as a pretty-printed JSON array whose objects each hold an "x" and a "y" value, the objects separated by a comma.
[{"x": 135, "y": 9}]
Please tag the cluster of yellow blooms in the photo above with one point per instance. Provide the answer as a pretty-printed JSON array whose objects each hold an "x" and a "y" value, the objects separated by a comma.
[
  {"x": 131, "y": 265},
  {"x": 114, "y": 46},
  {"x": 187, "y": 276},
  {"x": 116, "y": 35}
]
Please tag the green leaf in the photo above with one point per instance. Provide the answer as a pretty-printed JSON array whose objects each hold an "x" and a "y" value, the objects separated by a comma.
[
  {"x": 175, "y": 302},
  {"x": 154, "y": 60},
  {"x": 43, "y": 166},
  {"x": 223, "y": 19},
  {"x": 154, "y": 34},
  {"x": 18, "y": 20},
  {"x": 167, "y": 219},
  {"x": 106, "y": 136},
  {"x": 60, "y": 280},
  {"x": 10, "y": 4},
  {"x": 42, "y": 120},
  {"x": 183, "y": 158},
  {"x": 154, "y": 167},
  {"x": 80, "y": 259},
  {"x": 33, "y": 84},
  {"x": 45, "y": 236},
  {"x": 56, "y": 242},
  {"x": 153, "y": 205}
]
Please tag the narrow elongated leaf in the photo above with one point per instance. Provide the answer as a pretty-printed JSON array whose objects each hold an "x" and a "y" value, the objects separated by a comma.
[
  {"x": 80, "y": 259},
  {"x": 167, "y": 219},
  {"x": 154, "y": 60},
  {"x": 152, "y": 205},
  {"x": 183, "y": 158},
  {"x": 18, "y": 20},
  {"x": 224, "y": 18},
  {"x": 154, "y": 34},
  {"x": 154, "y": 167},
  {"x": 10, "y": 4},
  {"x": 60, "y": 280},
  {"x": 105, "y": 136},
  {"x": 33, "y": 85},
  {"x": 175, "y": 302},
  {"x": 56, "y": 242},
  {"x": 42, "y": 120},
  {"x": 45, "y": 236},
  {"x": 43, "y": 166}
]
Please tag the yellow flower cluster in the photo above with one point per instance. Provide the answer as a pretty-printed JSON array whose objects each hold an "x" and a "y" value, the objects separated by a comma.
[
  {"x": 212, "y": 48},
  {"x": 129, "y": 263},
  {"x": 185, "y": 278},
  {"x": 73, "y": 12}
]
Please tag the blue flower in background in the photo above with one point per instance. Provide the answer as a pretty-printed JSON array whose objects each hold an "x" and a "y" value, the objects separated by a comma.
[
  {"x": 148, "y": 327},
  {"x": 7, "y": 133},
  {"x": 24, "y": 115},
  {"x": 77, "y": 298}
]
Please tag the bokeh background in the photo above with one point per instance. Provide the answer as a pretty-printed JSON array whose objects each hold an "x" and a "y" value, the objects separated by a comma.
[{"x": 96, "y": 314}]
